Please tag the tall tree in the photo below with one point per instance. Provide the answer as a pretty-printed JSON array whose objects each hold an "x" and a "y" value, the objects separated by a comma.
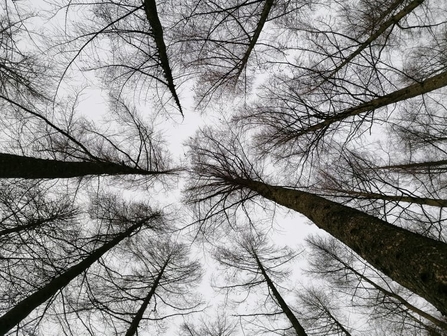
[
  {"x": 132, "y": 222},
  {"x": 320, "y": 314},
  {"x": 219, "y": 172},
  {"x": 150, "y": 280}
]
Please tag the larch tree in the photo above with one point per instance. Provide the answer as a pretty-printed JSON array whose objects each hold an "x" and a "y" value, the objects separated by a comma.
[
  {"x": 253, "y": 262},
  {"x": 120, "y": 222},
  {"x": 221, "y": 168},
  {"x": 150, "y": 280},
  {"x": 339, "y": 111}
]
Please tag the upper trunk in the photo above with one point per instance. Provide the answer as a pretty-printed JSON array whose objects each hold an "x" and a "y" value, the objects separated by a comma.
[
  {"x": 16, "y": 166},
  {"x": 411, "y": 91},
  {"x": 150, "y": 8},
  {"x": 416, "y": 262},
  {"x": 382, "y": 28}
]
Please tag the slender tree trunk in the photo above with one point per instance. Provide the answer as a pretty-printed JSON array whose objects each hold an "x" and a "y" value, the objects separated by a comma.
[
  {"x": 395, "y": 296},
  {"x": 264, "y": 15},
  {"x": 16, "y": 166},
  {"x": 382, "y": 28},
  {"x": 27, "y": 305},
  {"x": 408, "y": 199},
  {"x": 284, "y": 307},
  {"x": 338, "y": 324},
  {"x": 419, "y": 167},
  {"x": 29, "y": 226},
  {"x": 414, "y": 261},
  {"x": 139, "y": 315},
  {"x": 150, "y": 8},
  {"x": 413, "y": 90}
]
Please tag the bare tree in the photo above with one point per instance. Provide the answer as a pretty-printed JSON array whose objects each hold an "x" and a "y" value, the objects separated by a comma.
[
  {"x": 217, "y": 173},
  {"x": 219, "y": 326},
  {"x": 227, "y": 42},
  {"x": 252, "y": 262},
  {"x": 149, "y": 280},
  {"x": 320, "y": 314},
  {"x": 133, "y": 219},
  {"x": 80, "y": 148}
]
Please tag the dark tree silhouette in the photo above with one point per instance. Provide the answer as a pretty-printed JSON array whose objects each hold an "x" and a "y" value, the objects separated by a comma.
[{"x": 135, "y": 221}]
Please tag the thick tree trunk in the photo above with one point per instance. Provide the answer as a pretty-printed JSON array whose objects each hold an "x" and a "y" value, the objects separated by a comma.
[
  {"x": 27, "y": 305},
  {"x": 393, "y": 295},
  {"x": 15, "y": 166},
  {"x": 139, "y": 315},
  {"x": 283, "y": 305},
  {"x": 414, "y": 261}
]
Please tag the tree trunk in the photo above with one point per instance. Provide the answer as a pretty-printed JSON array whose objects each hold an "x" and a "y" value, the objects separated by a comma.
[
  {"x": 382, "y": 28},
  {"x": 283, "y": 305},
  {"x": 397, "y": 297},
  {"x": 27, "y": 305},
  {"x": 139, "y": 315},
  {"x": 150, "y": 8},
  {"x": 16, "y": 166},
  {"x": 32, "y": 224},
  {"x": 408, "y": 199},
  {"x": 414, "y": 261},
  {"x": 419, "y": 167},
  {"x": 264, "y": 15},
  {"x": 411, "y": 91}
]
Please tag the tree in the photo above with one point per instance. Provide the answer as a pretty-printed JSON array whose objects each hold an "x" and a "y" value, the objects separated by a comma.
[
  {"x": 220, "y": 326},
  {"x": 319, "y": 312},
  {"x": 150, "y": 279},
  {"x": 80, "y": 149},
  {"x": 370, "y": 290},
  {"x": 219, "y": 172},
  {"x": 258, "y": 263},
  {"x": 132, "y": 222}
]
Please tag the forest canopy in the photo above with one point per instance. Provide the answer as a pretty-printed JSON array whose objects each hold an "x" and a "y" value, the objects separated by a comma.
[{"x": 223, "y": 168}]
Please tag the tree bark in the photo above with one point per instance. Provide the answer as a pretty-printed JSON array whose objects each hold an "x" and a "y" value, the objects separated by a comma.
[
  {"x": 27, "y": 305},
  {"x": 283, "y": 305},
  {"x": 16, "y": 166},
  {"x": 414, "y": 261},
  {"x": 139, "y": 315}
]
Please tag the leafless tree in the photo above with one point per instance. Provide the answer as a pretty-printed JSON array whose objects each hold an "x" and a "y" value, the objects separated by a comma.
[
  {"x": 252, "y": 262},
  {"x": 320, "y": 313},
  {"x": 218, "y": 173},
  {"x": 120, "y": 221}
]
